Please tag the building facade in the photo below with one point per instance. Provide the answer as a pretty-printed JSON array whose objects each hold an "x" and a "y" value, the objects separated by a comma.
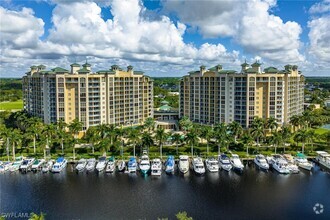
[
  {"x": 214, "y": 95},
  {"x": 111, "y": 96}
]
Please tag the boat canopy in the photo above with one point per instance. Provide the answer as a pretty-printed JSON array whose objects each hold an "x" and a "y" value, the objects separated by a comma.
[
  {"x": 60, "y": 160},
  {"x": 301, "y": 155},
  {"x": 112, "y": 158}
]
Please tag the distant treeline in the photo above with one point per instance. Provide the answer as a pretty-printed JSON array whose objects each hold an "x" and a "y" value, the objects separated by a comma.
[
  {"x": 10, "y": 89},
  {"x": 323, "y": 82}
]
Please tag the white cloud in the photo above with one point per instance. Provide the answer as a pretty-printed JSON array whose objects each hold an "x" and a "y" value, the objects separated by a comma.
[
  {"x": 320, "y": 7},
  {"x": 20, "y": 29}
]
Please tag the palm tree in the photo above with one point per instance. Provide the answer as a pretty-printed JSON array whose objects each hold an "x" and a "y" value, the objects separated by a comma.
[
  {"x": 303, "y": 137},
  {"x": 33, "y": 132},
  {"x": 192, "y": 140},
  {"x": 160, "y": 137},
  {"x": 276, "y": 139},
  {"x": 257, "y": 128},
  {"x": 15, "y": 138},
  {"x": 134, "y": 137},
  {"x": 149, "y": 124},
  {"x": 247, "y": 140},
  {"x": 75, "y": 126},
  {"x": 48, "y": 132},
  {"x": 296, "y": 121},
  {"x": 61, "y": 132},
  {"x": 206, "y": 133},
  {"x": 271, "y": 124},
  {"x": 147, "y": 140},
  {"x": 185, "y": 123},
  {"x": 220, "y": 134},
  {"x": 286, "y": 134},
  {"x": 176, "y": 138},
  {"x": 92, "y": 136},
  {"x": 5, "y": 134},
  {"x": 236, "y": 129}
]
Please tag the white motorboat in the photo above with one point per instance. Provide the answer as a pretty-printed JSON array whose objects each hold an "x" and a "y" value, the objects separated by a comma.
[
  {"x": 261, "y": 162},
  {"x": 16, "y": 164},
  {"x": 59, "y": 165},
  {"x": 198, "y": 165},
  {"x": 183, "y": 164},
  {"x": 100, "y": 166},
  {"x": 280, "y": 164},
  {"x": 156, "y": 167},
  {"x": 144, "y": 164},
  {"x": 90, "y": 166},
  {"x": 212, "y": 165},
  {"x": 81, "y": 165},
  {"x": 111, "y": 165},
  {"x": 302, "y": 162},
  {"x": 224, "y": 162},
  {"x": 132, "y": 165},
  {"x": 37, "y": 165},
  {"x": 323, "y": 158},
  {"x": 4, "y": 167},
  {"x": 236, "y": 163},
  {"x": 121, "y": 165},
  {"x": 169, "y": 165},
  {"x": 46, "y": 167},
  {"x": 26, "y": 166},
  {"x": 293, "y": 168}
]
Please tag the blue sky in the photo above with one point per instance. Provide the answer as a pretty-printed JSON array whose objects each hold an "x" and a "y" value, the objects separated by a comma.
[{"x": 164, "y": 38}]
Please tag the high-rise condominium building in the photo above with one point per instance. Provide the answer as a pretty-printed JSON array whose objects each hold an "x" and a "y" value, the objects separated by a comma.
[
  {"x": 214, "y": 95},
  {"x": 111, "y": 96}
]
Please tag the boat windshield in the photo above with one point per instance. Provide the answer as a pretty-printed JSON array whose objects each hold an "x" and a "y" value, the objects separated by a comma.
[{"x": 184, "y": 160}]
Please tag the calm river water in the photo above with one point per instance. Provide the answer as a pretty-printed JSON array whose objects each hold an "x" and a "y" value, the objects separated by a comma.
[{"x": 251, "y": 195}]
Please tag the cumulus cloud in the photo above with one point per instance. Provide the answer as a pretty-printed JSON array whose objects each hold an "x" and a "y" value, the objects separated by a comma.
[
  {"x": 249, "y": 23},
  {"x": 320, "y": 7}
]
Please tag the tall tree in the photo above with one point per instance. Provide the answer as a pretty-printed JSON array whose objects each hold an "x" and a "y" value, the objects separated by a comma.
[
  {"x": 176, "y": 138},
  {"x": 271, "y": 124},
  {"x": 93, "y": 137},
  {"x": 74, "y": 127},
  {"x": 192, "y": 140},
  {"x": 286, "y": 135},
  {"x": 276, "y": 139},
  {"x": 149, "y": 124},
  {"x": 247, "y": 140},
  {"x": 236, "y": 129},
  {"x": 61, "y": 132},
  {"x": 303, "y": 137},
  {"x": 15, "y": 138},
  {"x": 296, "y": 121},
  {"x": 257, "y": 128},
  {"x": 185, "y": 124},
  {"x": 220, "y": 135},
  {"x": 134, "y": 138},
  {"x": 160, "y": 137},
  {"x": 147, "y": 140},
  {"x": 5, "y": 135},
  {"x": 206, "y": 133}
]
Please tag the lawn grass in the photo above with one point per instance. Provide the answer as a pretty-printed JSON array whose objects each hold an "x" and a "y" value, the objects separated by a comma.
[
  {"x": 11, "y": 105},
  {"x": 321, "y": 131}
]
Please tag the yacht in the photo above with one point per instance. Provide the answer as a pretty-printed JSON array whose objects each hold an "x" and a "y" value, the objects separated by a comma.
[
  {"x": 81, "y": 165},
  {"x": 183, "y": 164},
  {"x": 121, "y": 165},
  {"x": 37, "y": 165},
  {"x": 169, "y": 165},
  {"x": 261, "y": 162},
  {"x": 4, "y": 167},
  {"x": 90, "y": 167},
  {"x": 144, "y": 164},
  {"x": 198, "y": 165},
  {"x": 26, "y": 165},
  {"x": 323, "y": 158},
  {"x": 302, "y": 162},
  {"x": 236, "y": 163},
  {"x": 111, "y": 166},
  {"x": 156, "y": 167},
  {"x": 101, "y": 164},
  {"x": 16, "y": 164},
  {"x": 212, "y": 165},
  {"x": 131, "y": 165},
  {"x": 46, "y": 167},
  {"x": 224, "y": 162},
  {"x": 293, "y": 168},
  {"x": 280, "y": 164},
  {"x": 59, "y": 165}
]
